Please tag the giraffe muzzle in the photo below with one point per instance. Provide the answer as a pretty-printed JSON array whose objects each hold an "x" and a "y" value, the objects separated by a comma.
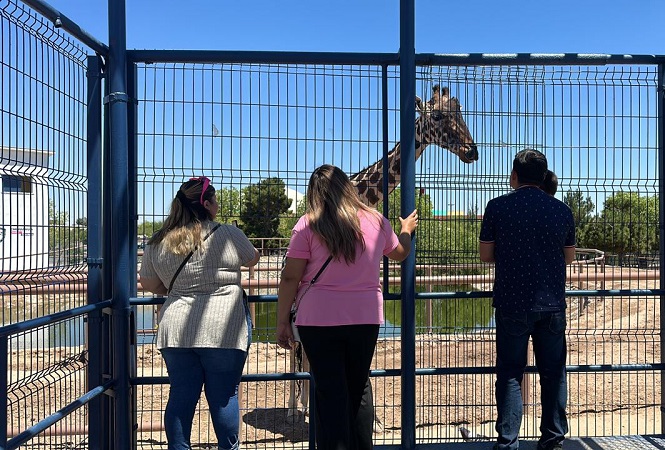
[{"x": 472, "y": 155}]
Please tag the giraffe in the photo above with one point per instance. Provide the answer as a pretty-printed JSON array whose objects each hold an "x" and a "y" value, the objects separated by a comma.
[{"x": 439, "y": 122}]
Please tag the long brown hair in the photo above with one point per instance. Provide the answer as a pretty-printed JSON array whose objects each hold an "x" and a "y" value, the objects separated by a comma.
[
  {"x": 332, "y": 209},
  {"x": 181, "y": 232}
]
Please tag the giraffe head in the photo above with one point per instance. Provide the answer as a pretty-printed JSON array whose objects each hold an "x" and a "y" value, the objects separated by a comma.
[{"x": 441, "y": 123}]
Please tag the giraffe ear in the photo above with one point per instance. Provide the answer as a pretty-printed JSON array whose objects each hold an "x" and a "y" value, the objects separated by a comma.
[
  {"x": 419, "y": 104},
  {"x": 446, "y": 92}
]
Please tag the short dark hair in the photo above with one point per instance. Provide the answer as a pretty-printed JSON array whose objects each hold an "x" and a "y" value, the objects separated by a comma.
[
  {"x": 551, "y": 183},
  {"x": 530, "y": 166}
]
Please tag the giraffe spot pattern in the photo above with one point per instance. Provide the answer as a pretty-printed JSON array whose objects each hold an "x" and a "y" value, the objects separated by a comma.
[
  {"x": 372, "y": 196},
  {"x": 361, "y": 186}
]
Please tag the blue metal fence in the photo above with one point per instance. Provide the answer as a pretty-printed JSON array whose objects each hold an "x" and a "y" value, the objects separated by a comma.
[{"x": 240, "y": 117}]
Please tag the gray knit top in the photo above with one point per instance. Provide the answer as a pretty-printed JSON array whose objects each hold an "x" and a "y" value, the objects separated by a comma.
[{"x": 205, "y": 307}]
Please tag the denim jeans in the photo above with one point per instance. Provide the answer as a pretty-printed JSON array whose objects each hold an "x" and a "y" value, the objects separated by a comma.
[
  {"x": 547, "y": 330},
  {"x": 190, "y": 369}
]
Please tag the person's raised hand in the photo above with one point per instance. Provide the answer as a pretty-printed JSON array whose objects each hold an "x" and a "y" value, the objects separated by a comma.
[{"x": 410, "y": 223}]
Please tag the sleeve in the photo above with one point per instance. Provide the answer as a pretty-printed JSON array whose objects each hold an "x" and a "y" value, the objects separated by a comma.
[
  {"x": 147, "y": 266},
  {"x": 392, "y": 241},
  {"x": 243, "y": 245},
  {"x": 299, "y": 246},
  {"x": 487, "y": 228}
]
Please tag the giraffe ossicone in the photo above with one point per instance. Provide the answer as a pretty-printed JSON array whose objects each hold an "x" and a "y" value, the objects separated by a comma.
[{"x": 440, "y": 122}]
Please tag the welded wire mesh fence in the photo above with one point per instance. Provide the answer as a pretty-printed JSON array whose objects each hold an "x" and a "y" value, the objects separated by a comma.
[
  {"x": 261, "y": 126},
  {"x": 43, "y": 224},
  {"x": 257, "y": 131}
]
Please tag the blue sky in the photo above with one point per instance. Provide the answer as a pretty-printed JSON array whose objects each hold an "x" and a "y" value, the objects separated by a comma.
[{"x": 472, "y": 26}]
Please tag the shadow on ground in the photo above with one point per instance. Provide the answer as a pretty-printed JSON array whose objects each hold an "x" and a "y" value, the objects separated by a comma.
[{"x": 276, "y": 422}]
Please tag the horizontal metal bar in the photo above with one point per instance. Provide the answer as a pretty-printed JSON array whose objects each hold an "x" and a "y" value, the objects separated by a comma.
[
  {"x": 145, "y": 301},
  {"x": 142, "y": 381},
  {"x": 42, "y": 425},
  {"x": 489, "y": 59},
  {"x": 14, "y": 328},
  {"x": 569, "y": 293},
  {"x": 422, "y": 59},
  {"x": 615, "y": 292},
  {"x": 64, "y": 22},
  {"x": 260, "y": 57},
  {"x": 587, "y": 368}
]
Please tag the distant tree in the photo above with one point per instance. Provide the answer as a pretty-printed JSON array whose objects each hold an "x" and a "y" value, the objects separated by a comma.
[
  {"x": 149, "y": 228},
  {"x": 65, "y": 240},
  {"x": 627, "y": 224},
  {"x": 581, "y": 207},
  {"x": 263, "y": 204},
  {"x": 288, "y": 221},
  {"x": 423, "y": 202},
  {"x": 437, "y": 241},
  {"x": 229, "y": 204},
  {"x": 81, "y": 231},
  {"x": 59, "y": 231}
]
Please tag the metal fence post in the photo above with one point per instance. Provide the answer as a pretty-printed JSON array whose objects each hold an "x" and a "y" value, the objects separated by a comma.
[
  {"x": 123, "y": 275},
  {"x": 132, "y": 145},
  {"x": 97, "y": 429},
  {"x": 3, "y": 389},
  {"x": 407, "y": 74},
  {"x": 661, "y": 218},
  {"x": 384, "y": 135}
]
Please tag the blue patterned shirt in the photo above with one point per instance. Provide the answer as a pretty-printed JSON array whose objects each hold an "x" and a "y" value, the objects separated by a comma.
[{"x": 529, "y": 229}]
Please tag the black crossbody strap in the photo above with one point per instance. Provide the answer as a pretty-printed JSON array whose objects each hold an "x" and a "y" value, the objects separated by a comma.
[
  {"x": 316, "y": 277},
  {"x": 318, "y": 274},
  {"x": 184, "y": 261}
]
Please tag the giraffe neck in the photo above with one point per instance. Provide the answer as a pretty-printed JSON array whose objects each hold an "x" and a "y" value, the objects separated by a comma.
[{"x": 369, "y": 181}]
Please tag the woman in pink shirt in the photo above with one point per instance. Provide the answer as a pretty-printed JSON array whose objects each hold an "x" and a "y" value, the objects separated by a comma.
[{"x": 339, "y": 317}]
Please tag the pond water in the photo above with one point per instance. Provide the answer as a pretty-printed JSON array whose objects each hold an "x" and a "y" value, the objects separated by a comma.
[
  {"x": 72, "y": 332},
  {"x": 441, "y": 316}
]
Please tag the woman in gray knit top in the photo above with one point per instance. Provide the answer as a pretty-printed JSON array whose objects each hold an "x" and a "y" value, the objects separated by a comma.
[{"x": 204, "y": 327}]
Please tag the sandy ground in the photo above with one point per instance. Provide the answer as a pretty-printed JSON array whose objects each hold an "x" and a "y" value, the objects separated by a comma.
[{"x": 602, "y": 331}]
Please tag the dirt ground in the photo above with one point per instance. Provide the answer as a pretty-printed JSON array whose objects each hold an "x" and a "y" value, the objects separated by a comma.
[{"x": 601, "y": 331}]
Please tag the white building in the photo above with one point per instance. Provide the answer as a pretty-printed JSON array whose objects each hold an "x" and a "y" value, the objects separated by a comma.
[
  {"x": 295, "y": 196},
  {"x": 24, "y": 205}
]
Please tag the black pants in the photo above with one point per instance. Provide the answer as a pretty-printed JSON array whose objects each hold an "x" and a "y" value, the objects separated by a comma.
[
  {"x": 365, "y": 419},
  {"x": 340, "y": 358}
]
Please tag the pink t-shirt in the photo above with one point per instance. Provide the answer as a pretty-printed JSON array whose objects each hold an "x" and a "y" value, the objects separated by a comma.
[{"x": 343, "y": 294}]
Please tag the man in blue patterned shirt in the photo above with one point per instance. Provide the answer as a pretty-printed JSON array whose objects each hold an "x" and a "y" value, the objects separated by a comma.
[{"x": 530, "y": 236}]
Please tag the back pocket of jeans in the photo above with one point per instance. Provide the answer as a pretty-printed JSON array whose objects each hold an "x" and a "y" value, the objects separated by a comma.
[
  {"x": 558, "y": 322},
  {"x": 515, "y": 324}
]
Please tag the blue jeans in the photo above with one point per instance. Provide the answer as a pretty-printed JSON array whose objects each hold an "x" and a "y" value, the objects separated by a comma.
[
  {"x": 549, "y": 345},
  {"x": 190, "y": 369}
]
